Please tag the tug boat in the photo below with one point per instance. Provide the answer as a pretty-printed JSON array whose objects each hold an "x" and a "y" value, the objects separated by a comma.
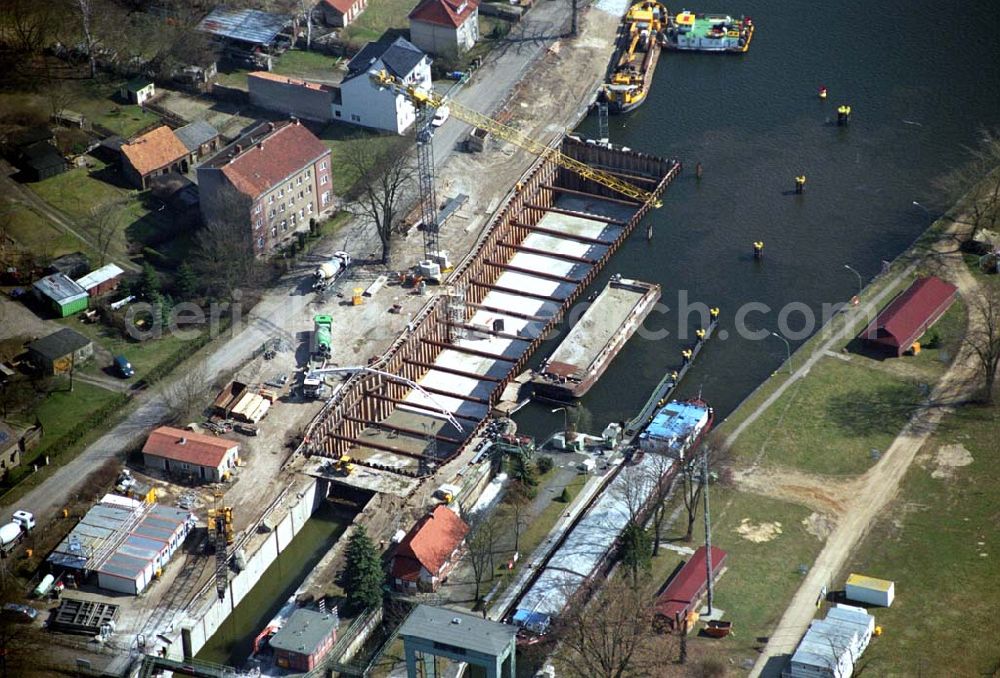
[
  {"x": 692, "y": 32},
  {"x": 636, "y": 53}
]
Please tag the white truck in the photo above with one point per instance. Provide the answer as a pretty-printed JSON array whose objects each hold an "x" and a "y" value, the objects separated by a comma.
[
  {"x": 329, "y": 271},
  {"x": 13, "y": 532}
]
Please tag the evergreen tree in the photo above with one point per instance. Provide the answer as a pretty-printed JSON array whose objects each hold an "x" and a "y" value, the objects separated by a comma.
[
  {"x": 187, "y": 281},
  {"x": 522, "y": 471},
  {"x": 149, "y": 281},
  {"x": 635, "y": 549},
  {"x": 363, "y": 576}
]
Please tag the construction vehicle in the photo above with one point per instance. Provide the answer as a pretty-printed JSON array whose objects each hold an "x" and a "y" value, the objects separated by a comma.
[
  {"x": 424, "y": 99},
  {"x": 344, "y": 466},
  {"x": 13, "y": 532},
  {"x": 322, "y": 329},
  {"x": 329, "y": 271},
  {"x": 220, "y": 532},
  {"x": 630, "y": 77}
]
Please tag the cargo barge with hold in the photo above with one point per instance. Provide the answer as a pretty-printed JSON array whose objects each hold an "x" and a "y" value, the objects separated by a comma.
[
  {"x": 636, "y": 53},
  {"x": 595, "y": 340},
  {"x": 690, "y": 32}
]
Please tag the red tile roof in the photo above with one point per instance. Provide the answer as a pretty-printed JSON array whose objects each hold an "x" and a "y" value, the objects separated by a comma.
[
  {"x": 429, "y": 544},
  {"x": 909, "y": 315},
  {"x": 189, "y": 447},
  {"x": 451, "y": 13},
  {"x": 305, "y": 84},
  {"x": 342, "y": 6},
  {"x": 154, "y": 150},
  {"x": 268, "y": 157},
  {"x": 688, "y": 584}
]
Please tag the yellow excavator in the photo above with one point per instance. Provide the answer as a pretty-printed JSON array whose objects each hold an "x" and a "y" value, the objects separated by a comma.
[{"x": 422, "y": 98}]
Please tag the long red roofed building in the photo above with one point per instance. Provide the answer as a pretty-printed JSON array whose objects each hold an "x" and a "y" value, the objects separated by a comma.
[
  {"x": 905, "y": 319},
  {"x": 681, "y": 595}
]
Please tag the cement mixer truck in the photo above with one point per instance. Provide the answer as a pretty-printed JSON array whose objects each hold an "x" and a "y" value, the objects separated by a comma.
[
  {"x": 329, "y": 271},
  {"x": 13, "y": 532}
]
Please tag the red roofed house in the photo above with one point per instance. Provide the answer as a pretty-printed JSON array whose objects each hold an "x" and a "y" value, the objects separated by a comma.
[
  {"x": 445, "y": 27},
  {"x": 278, "y": 175},
  {"x": 429, "y": 551},
  {"x": 340, "y": 13},
  {"x": 176, "y": 451},
  {"x": 909, "y": 315},
  {"x": 681, "y": 595},
  {"x": 153, "y": 153}
]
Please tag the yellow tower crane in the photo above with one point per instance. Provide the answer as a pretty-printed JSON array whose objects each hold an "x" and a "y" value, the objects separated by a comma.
[{"x": 423, "y": 99}]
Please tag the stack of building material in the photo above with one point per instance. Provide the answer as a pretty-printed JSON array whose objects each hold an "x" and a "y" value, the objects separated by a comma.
[{"x": 237, "y": 401}]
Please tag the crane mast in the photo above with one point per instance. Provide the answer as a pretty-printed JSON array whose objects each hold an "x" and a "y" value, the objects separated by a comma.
[{"x": 423, "y": 99}]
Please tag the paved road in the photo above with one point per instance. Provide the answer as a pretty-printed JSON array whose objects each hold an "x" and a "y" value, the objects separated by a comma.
[
  {"x": 287, "y": 305},
  {"x": 878, "y": 486}
]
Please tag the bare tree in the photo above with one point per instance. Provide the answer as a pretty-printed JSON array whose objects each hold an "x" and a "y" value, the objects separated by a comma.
[
  {"x": 103, "y": 222},
  {"x": 225, "y": 259},
  {"x": 383, "y": 180},
  {"x": 983, "y": 337},
  {"x": 978, "y": 182},
  {"x": 184, "y": 396},
  {"x": 60, "y": 94},
  {"x": 516, "y": 501},
  {"x": 613, "y": 636},
  {"x": 659, "y": 467},
  {"x": 480, "y": 547},
  {"x": 718, "y": 454},
  {"x": 85, "y": 11},
  {"x": 25, "y": 24}
]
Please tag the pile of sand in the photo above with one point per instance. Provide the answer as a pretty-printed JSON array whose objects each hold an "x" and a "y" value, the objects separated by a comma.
[
  {"x": 819, "y": 525},
  {"x": 948, "y": 458},
  {"x": 759, "y": 533}
]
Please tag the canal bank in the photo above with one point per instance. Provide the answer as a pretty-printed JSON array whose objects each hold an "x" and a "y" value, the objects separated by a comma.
[{"x": 232, "y": 642}]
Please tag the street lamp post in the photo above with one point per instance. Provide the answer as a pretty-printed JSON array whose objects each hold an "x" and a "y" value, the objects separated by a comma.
[
  {"x": 788, "y": 350},
  {"x": 565, "y": 417},
  {"x": 860, "y": 281}
]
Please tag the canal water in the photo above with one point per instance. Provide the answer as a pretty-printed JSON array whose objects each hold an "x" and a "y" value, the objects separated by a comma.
[
  {"x": 922, "y": 78},
  {"x": 233, "y": 642}
]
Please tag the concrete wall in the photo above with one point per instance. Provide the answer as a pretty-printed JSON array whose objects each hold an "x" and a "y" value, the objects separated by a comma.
[{"x": 208, "y": 613}]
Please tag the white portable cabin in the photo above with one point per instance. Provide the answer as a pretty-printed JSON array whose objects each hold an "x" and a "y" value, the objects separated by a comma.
[{"x": 863, "y": 589}]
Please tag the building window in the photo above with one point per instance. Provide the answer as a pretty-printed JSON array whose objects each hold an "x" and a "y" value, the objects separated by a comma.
[
  {"x": 270, "y": 199},
  {"x": 322, "y": 180},
  {"x": 274, "y": 231},
  {"x": 284, "y": 224},
  {"x": 308, "y": 173},
  {"x": 298, "y": 181},
  {"x": 260, "y": 243},
  {"x": 259, "y": 223},
  {"x": 282, "y": 207},
  {"x": 310, "y": 208},
  {"x": 302, "y": 194},
  {"x": 293, "y": 218},
  {"x": 355, "y": 118},
  {"x": 257, "y": 208},
  {"x": 281, "y": 193},
  {"x": 326, "y": 197},
  {"x": 271, "y": 213},
  {"x": 302, "y": 213},
  {"x": 322, "y": 165}
]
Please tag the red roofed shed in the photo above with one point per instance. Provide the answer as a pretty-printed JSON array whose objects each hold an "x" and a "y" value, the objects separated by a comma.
[
  {"x": 428, "y": 552},
  {"x": 174, "y": 450},
  {"x": 910, "y": 314},
  {"x": 687, "y": 586}
]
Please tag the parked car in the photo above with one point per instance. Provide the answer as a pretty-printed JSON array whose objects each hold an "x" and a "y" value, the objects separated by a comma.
[
  {"x": 22, "y": 613},
  {"x": 123, "y": 367},
  {"x": 440, "y": 116}
]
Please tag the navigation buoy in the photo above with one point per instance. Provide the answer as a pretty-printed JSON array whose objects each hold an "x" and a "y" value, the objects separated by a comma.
[
  {"x": 800, "y": 183},
  {"x": 758, "y": 249},
  {"x": 714, "y": 312},
  {"x": 700, "y": 334},
  {"x": 697, "y": 171},
  {"x": 843, "y": 115},
  {"x": 686, "y": 354},
  {"x": 822, "y": 92}
]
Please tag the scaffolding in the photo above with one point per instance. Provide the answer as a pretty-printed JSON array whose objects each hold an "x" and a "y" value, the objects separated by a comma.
[{"x": 457, "y": 313}]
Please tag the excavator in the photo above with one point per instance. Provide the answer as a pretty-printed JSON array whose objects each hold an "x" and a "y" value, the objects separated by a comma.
[{"x": 422, "y": 98}]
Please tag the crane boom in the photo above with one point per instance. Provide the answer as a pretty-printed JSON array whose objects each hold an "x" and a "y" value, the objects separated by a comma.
[{"x": 422, "y": 98}]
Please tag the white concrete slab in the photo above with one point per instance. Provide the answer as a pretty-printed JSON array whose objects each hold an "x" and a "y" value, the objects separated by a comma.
[
  {"x": 453, "y": 383},
  {"x": 522, "y": 305},
  {"x": 530, "y": 284},
  {"x": 453, "y": 405},
  {"x": 575, "y": 248}
]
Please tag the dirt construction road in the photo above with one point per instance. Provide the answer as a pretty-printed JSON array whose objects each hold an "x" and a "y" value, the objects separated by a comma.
[{"x": 876, "y": 488}]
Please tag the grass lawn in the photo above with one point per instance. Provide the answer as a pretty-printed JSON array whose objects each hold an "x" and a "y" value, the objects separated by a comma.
[
  {"x": 829, "y": 421},
  {"x": 143, "y": 355},
  {"x": 939, "y": 542},
  {"x": 344, "y": 141},
  {"x": 533, "y": 534},
  {"x": 307, "y": 65},
  {"x": 36, "y": 234},
  {"x": 761, "y": 577},
  {"x": 77, "y": 191},
  {"x": 378, "y": 16},
  {"x": 98, "y": 101},
  {"x": 940, "y": 344}
]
